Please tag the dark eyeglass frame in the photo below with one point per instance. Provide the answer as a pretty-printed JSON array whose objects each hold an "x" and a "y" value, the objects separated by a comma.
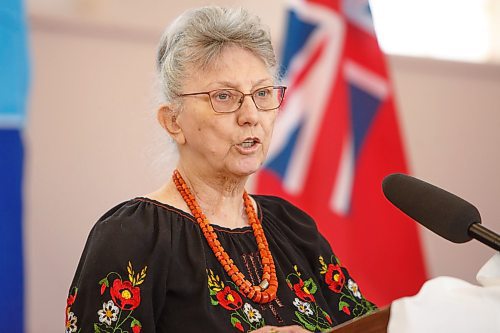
[{"x": 281, "y": 95}]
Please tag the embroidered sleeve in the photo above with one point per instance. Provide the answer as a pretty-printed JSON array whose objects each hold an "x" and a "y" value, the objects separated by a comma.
[
  {"x": 114, "y": 288},
  {"x": 123, "y": 298},
  {"x": 309, "y": 314},
  {"x": 330, "y": 279},
  {"x": 342, "y": 291}
]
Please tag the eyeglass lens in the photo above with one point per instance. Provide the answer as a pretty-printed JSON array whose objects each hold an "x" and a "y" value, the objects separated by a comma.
[{"x": 230, "y": 100}]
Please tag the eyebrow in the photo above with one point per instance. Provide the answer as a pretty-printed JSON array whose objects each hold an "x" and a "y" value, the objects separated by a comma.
[{"x": 233, "y": 86}]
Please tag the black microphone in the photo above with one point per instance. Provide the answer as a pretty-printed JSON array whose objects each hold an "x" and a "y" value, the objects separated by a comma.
[{"x": 438, "y": 210}]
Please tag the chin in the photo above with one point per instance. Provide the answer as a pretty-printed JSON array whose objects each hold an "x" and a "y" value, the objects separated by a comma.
[
  {"x": 246, "y": 166},
  {"x": 246, "y": 169},
  {"x": 245, "y": 172}
]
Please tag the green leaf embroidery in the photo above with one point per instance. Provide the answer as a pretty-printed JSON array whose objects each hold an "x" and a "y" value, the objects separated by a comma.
[
  {"x": 234, "y": 321},
  {"x": 97, "y": 329},
  {"x": 342, "y": 304},
  {"x": 303, "y": 320},
  {"x": 135, "y": 322},
  {"x": 311, "y": 286}
]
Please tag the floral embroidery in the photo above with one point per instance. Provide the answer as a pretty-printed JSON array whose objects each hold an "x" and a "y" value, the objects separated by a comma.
[
  {"x": 351, "y": 302},
  {"x": 108, "y": 313},
  {"x": 353, "y": 287},
  {"x": 303, "y": 292},
  {"x": 303, "y": 307},
  {"x": 335, "y": 278},
  {"x": 252, "y": 314},
  {"x": 71, "y": 322},
  {"x": 309, "y": 315},
  {"x": 125, "y": 295},
  {"x": 125, "y": 298},
  {"x": 71, "y": 319},
  {"x": 228, "y": 297}
]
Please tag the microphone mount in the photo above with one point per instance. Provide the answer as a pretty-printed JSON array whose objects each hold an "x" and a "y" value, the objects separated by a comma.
[{"x": 485, "y": 236}]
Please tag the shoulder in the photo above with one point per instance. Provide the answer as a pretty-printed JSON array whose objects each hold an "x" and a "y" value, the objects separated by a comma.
[
  {"x": 286, "y": 216},
  {"x": 277, "y": 203},
  {"x": 137, "y": 231},
  {"x": 132, "y": 240},
  {"x": 281, "y": 206},
  {"x": 140, "y": 213},
  {"x": 137, "y": 224}
]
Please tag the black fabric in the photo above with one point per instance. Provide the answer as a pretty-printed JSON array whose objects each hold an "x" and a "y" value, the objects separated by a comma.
[{"x": 173, "y": 293}]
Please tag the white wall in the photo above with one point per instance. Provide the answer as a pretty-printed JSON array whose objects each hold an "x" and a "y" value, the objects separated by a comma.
[
  {"x": 92, "y": 139},
  {"x": 450, "y": 116}
]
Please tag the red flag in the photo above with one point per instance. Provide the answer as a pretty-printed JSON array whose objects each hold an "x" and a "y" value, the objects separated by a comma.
[{"x": 336, "y": 138}]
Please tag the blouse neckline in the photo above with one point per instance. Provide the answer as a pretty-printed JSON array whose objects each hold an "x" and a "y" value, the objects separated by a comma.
[{"x": 190, "y": 217}]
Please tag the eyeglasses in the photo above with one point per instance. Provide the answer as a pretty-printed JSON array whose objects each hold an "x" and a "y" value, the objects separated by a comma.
[{"x": 230, "y": 100}]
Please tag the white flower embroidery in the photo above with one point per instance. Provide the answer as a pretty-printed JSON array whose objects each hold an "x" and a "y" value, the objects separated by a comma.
[
  {"x": 108, "y": 313},
  {"x": 303, "y": 307},
  {"x": 252, "y": 314},
  {"x": 353, "y": 286},
  {"x": 71, "y": 323}
]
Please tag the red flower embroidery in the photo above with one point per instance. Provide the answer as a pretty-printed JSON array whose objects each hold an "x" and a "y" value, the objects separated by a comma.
[
  {"x": 71, "y": 299},
  {"x": 335, "y": 278},
  {"x": 136, "y": 326},
  {"x": 346, "y": 310},
  {"x": 103, "y": 288},
  {"x": 239, "y": 326},
  {"x": 229, "y": 299},
  {"x": 302, "y": 292},
  {"x": 125, "y": 295},
  {"x": 328, "y": 318}
]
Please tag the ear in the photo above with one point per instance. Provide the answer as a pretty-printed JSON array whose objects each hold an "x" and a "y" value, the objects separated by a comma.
[{"x": 167, "y": 118}]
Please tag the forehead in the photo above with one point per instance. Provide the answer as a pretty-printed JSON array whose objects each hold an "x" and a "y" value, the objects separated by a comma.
[{"x": 235, "y": 66}]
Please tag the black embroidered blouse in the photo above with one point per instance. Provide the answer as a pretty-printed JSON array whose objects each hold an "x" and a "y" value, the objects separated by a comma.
[{"x": 146, "y": 267}]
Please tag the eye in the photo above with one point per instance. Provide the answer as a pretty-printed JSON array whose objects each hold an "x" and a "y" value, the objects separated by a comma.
[
  {"x": 264, "y": 92},
  {"x": 222, "y": 96}
]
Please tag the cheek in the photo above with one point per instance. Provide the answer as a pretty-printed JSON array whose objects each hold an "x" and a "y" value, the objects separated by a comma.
[
  {"x": 200, "y": 128},
  {"x": 268, "y": 130},
  {"x": 268, "y": 124},
  {"x": 214, "y": 135}
]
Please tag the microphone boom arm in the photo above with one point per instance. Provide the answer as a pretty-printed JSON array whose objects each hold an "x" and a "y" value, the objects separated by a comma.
[{"x": 485, "y": 236}]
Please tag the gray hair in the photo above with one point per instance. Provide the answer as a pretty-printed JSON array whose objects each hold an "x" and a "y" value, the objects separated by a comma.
[{"x": 198, "y": 37}]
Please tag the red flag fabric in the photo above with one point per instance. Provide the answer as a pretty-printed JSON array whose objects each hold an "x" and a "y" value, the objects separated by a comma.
[{"x": 336, "y": 137}]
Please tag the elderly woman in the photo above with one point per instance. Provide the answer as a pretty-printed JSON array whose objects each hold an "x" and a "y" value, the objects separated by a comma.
[{"x": 200, "y": 254}]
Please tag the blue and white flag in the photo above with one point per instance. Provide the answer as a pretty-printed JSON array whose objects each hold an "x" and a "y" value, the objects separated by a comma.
[{"x": 13, "y": 94}]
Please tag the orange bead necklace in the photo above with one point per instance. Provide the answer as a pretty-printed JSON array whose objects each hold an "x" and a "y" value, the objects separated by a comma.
[{"x": 266, "y": 290}]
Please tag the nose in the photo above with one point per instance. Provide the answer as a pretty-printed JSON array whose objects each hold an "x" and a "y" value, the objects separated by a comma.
[{"x": 248, "y": 112}]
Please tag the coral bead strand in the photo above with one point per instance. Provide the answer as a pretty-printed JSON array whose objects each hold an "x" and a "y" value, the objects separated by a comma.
[{"x": 266, "y": 290}]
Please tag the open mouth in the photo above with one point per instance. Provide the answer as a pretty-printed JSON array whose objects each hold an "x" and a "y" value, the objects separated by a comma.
[{"x": 249, "y": 143}]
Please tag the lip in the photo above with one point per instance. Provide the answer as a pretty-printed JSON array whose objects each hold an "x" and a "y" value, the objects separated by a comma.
[{"x": 248, "y": 150}]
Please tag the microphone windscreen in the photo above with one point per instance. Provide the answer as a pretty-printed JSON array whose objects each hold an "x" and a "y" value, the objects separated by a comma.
[{"x": 436, "y": 209}]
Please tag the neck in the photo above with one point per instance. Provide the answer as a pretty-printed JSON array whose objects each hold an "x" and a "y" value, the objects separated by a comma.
[{"x": 220, "y": 196}]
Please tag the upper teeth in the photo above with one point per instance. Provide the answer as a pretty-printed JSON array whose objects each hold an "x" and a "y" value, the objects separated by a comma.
[{"x": 247, "y": 144}]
